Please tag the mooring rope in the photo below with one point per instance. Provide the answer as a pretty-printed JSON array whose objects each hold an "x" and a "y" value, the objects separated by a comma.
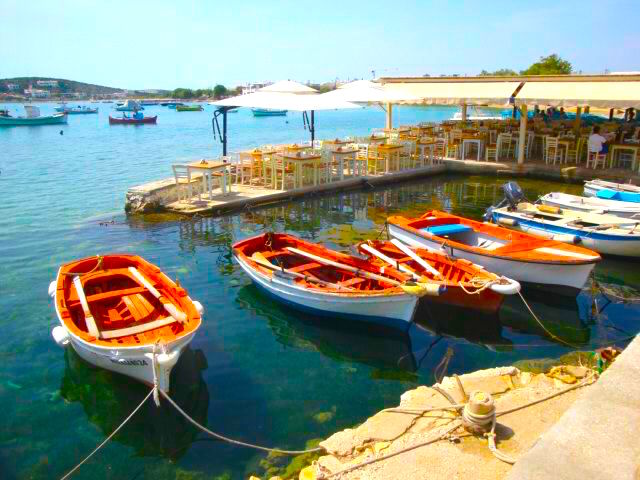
[
  {"x": 106, "y": 440},
  {"x": 543, "y": 327}
]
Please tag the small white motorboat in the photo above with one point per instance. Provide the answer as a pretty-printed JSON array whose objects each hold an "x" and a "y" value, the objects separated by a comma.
[
  {"x": 591, "y": 204},
  {"x": 592, "y": 187},
  {"x": 606, "y": 234},
  {"x": 316, "y": 280},
  {"x": 123, "y": 314}
]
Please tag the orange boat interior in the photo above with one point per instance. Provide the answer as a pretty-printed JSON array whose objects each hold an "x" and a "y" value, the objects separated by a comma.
[
  {"x": 273, "y": 247},
  {"x": 124, "y": 311},
  {"x": 452, "y": 272},
  {"x": 489, "y": 239}
]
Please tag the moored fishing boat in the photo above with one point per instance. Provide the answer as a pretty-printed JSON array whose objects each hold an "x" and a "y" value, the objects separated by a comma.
[
  {"x": 79, "y": 110},
  {"x": 464, "y": 283},
  {"x": 590, "y": 204},
  {"x": 267, "y": 112},
  {"x": 526, "y": 258},
  {"x": 592, "y": 187},
  {"x": 189, "y": 108},
  {"x": 121, "y": 313},
  {"x": 129, "y": 106},
  {"x": 32, "y": 118},
  {"x": 314, "y": 279},
  {"x": 606, "y": 234},
  {"x": 131, "y": 120}
]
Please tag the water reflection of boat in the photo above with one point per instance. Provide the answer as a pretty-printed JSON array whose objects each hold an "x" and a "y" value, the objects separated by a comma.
[
  {"x": 154, "y": 431},
  {"x": 559, "y": 314},
  {"x": 377, "y": 345},
  {"x": 453, "y": 321}
]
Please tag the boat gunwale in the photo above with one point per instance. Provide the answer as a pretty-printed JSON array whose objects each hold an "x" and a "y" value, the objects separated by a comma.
[
  {"x": 405, "y": 226},
  {"x": 189, "y": 328}
]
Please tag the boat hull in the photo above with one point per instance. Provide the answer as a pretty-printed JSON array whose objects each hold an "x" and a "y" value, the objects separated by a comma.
[
  {"x": 567, "y": 278},
  {"x": 59, "y": 118},
  {"x": 132, "y": 121},
  {"x": 591, "y": 188},
  {"x": 607, "y": 244},
  {"x": 394, "y": 310},
  {"x": 134, "y": 362},
  {"x": 268, "y": 113},
  {"x": 591, "y": 204}
]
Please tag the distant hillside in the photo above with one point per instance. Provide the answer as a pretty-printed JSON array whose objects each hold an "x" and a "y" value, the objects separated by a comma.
[{"x": 63, "y": 86}]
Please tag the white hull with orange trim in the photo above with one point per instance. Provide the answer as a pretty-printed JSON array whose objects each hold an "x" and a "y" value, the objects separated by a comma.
[
  {"x": 134, "y": 362},
  {"x": 573, "y": 276},
  {"x": 393, "y": 310},
  {"x": 121, "y": 313}
]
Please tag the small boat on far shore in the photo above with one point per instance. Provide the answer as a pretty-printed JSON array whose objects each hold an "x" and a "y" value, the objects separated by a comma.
[
  {"x": 314, "y": 279},
  {"x": 267, "y": 112},
  {"x": 79, "y": 110},
  {"x": 121, "y": 313},
  {"x": 133, "y": 120},
  {"x": 189, "y": 108},
  {"x": 171, "y": 104},
  {"x": 33, "y": 118}
]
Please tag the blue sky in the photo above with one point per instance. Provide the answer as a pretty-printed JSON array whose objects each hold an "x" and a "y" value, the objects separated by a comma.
[{"x": 169, "y": 44}]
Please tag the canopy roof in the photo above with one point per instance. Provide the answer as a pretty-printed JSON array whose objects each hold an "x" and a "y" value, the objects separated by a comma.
[
  {"x": 580, "y": 94},
  {"x": 285, "y": 101},
  {"x": 455, "y": 93},
  {"x": 288, "y": 86},
  {"x": 364, "y": 91}
]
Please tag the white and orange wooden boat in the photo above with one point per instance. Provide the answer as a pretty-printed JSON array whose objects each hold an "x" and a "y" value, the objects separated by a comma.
[
  {"x": 464, "y": 283},
  {"x": 121, "y": 313},
  {"x": 517, "y": 255},
  {"x": 314, "y": 279}
]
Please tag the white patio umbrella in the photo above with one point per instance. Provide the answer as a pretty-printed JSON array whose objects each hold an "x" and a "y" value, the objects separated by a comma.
[
  {"x": 301, "y": 102},
  {"x": 364, "y": 91},
  {"x": 288, "y": 86}
]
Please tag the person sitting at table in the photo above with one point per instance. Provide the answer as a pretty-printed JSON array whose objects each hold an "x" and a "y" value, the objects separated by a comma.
[
  {"x": 631, "y": 116},
  {"x": 562, "y": 113},
  {"x": 598, "y": 143}
]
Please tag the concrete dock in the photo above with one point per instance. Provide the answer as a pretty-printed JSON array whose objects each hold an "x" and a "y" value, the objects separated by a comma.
[
  {"x": 162, "y": 195},
  {"x": 558, "y": 425}
]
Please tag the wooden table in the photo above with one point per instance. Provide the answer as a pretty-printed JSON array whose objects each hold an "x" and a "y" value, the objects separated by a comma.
[
  {"x": 633, "y": 147},
  {"x": 342, "y": 154},
  {"x": 376, "y": 140},
  {"x": 389, "y": 152},
  {"x": 422, "y": 146},
  {"x": 566, "y": 143},
  {"x": 468, "y": 140},
  {"x": 258, "y": 157},
  {"x": 298, "y": 163},
  {"x": 336, "y": 142},
  {"x": 208, "y": 167}
]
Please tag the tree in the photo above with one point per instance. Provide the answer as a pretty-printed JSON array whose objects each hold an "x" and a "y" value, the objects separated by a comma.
[
  {"x": 503, "y": 72},
  {"x": 551, "y": 65},
  {"x": 219, "y": 91},
  {"x": 182, "y": 93}
]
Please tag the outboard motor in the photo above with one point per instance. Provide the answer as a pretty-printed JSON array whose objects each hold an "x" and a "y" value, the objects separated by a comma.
[{"x": 513, "y": 195}]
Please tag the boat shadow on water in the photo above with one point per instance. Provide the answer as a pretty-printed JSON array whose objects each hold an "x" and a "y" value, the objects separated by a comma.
[
  {"x": 379, "y": 346},
  {"x": 107, "y": 398}
]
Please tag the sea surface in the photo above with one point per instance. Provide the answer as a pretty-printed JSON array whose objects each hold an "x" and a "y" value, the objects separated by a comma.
[{"x": 255, "y": 371}]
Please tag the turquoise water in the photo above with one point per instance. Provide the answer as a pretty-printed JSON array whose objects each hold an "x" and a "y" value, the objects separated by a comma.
[{"x": 256, "y": 371}]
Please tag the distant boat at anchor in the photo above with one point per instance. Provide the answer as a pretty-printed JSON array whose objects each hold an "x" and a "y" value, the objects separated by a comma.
[
  {"x": 79, "y": 110},
  {"x": 267, "y": 112}
]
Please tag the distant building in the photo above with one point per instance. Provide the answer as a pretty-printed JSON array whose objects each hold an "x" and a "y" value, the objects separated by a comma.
[
  {"x": 150, "y": 91},
  {"x": 47, "y": 83},
  {"x": 12, "y": 87},
  {"x": 35, "y": 93},
  {"x": 253, "y": 87}
]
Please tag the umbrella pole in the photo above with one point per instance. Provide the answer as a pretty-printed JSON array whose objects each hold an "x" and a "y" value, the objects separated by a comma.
[
  {"x": 312, "y": 128},
  {"x": 224, "y": 132}
]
